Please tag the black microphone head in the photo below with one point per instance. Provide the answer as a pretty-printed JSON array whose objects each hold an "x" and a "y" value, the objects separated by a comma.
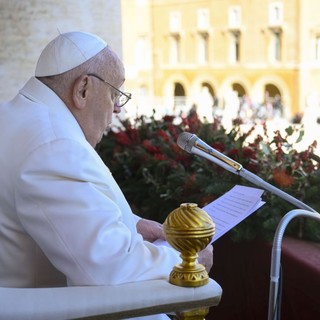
[{"x": 186, "y": 141}]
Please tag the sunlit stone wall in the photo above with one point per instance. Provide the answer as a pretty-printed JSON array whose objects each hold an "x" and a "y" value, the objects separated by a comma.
[{"x": 27, "y": 26}]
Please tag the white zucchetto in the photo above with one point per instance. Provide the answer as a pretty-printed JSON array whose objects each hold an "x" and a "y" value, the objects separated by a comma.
[{"x": 67, "y": 51}]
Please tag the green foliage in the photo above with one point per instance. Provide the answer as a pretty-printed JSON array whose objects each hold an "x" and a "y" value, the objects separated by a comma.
[{"x": 156, "y": 176}]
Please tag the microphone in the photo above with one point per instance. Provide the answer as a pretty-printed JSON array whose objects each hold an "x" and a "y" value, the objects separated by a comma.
[{"x": 192, "y": 144}]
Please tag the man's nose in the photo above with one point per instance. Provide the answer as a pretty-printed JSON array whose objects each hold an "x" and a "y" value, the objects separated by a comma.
[{"x": 116, "y": 109}]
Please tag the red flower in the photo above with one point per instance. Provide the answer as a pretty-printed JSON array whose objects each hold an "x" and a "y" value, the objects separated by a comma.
[
  {"x": 149, "y": 146},
  {"x": 133, "y": 135},
  {"x": 164, "y": 135},
  {"x": 219, "y": 146},
  {"x": 296, "y": 165},
  {"x": 168, "y": 118},
  {"x": 309, "y": 168},
  {"x": 122, "y": 138},
  {"x": 282, "y": 178},
  {"x": 159, "y": 156},
  {"x": 249, "y": 153},
  {"x": 233, "y": 152},
  {"x": 173, "y": 130}
]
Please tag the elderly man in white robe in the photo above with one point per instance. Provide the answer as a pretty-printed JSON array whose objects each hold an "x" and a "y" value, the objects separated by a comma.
[{"x": 63, "y": 218}]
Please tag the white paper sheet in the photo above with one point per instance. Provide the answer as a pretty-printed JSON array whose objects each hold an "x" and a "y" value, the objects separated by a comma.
[
  {"x": 230, "y": 209},
  {"x": 234, "y": 206}
]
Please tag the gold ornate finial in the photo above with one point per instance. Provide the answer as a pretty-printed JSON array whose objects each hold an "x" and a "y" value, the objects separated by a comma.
[{"x": 189, "y": 230}]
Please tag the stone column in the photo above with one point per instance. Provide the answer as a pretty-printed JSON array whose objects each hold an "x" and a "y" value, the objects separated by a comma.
[{"x": 27, "y": 26}]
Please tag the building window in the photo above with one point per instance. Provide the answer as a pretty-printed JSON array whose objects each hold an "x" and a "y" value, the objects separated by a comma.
[
  {"x": 203, "y": 21},
  {"x": 235, "y": 47},
  {"x": 237, "y": 87},
  {"x": 179, "y": 97},
  {"x": 142, "y": 90},
  {"x": 175, "y": 39},
  {"x": 276, "y": 45},
  {"x": 275, "y": 14},
  {"x": 203, "y": 48},
  {"x": 142, "y": 52},
  {"x": 175, "y": 48},
  {"x": 317, "y": 49},
  {"x": 175, "y": 21},
  {"x": 234, "y": 17}
]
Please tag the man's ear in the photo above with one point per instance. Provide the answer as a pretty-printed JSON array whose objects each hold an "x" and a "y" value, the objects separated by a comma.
[{"x": 80, "y": 92}]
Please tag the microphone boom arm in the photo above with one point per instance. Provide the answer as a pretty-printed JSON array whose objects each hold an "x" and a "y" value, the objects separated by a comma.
[
  {"x": 192, "y": 144},
  {"x": 267, "y": 186}
]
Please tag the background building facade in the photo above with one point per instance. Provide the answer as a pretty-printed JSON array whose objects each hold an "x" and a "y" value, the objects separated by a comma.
[
  {"x": 238, "y": 57},
  {"x": 244, "y": 57}
]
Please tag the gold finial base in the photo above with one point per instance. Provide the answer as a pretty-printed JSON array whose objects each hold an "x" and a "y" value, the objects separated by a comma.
[{"x": 196, "y": 277}]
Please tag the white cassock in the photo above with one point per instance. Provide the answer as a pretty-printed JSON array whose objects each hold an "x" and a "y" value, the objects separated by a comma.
[{"x": 62, "y": 215}]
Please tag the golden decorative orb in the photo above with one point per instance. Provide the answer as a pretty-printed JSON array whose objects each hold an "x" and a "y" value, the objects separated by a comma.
[{"x": 189, "y": 230}]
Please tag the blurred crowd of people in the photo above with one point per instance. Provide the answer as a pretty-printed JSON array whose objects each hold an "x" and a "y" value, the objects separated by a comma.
[{"x": 234, "y": 107}]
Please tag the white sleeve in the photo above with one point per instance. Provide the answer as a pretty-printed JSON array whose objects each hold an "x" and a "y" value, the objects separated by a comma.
[
  {"x": 136, "y": 217},
  {"x": 68, "y": 201}
]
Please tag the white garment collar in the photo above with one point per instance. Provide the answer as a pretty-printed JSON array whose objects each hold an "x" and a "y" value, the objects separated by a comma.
[{"x": 38, "y": 92}]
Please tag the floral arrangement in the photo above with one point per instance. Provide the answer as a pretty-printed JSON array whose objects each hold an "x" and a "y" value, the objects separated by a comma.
[{"x": 156, "y": 175}]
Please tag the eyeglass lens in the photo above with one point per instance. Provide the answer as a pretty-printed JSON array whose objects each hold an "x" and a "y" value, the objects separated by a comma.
[{"x": 121, "y": 100}]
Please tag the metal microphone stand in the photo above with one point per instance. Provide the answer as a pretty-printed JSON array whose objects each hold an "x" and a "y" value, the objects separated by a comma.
[
  {"x": 200, "y": 148},
  {"x": 274, "y": 296},
  {"x": 192, "y": 144}
]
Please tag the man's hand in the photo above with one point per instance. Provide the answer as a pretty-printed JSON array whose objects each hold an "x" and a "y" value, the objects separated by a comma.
[
  {"x": 206, "y": 257},
  {"x": 150, "y": 230}
]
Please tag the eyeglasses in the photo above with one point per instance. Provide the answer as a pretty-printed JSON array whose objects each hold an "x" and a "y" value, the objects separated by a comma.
[{"x": 122, "y": 98}]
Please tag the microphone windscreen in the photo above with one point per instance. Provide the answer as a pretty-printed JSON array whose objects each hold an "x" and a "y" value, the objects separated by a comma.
[{"x": 186, "y": 141}]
